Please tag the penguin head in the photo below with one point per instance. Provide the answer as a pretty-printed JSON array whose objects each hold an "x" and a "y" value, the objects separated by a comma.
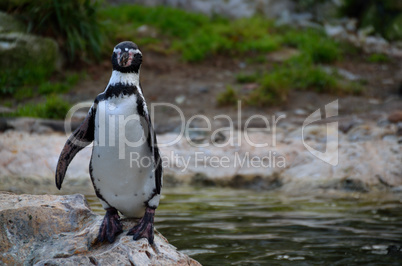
[{"x": 126, "y": 57}]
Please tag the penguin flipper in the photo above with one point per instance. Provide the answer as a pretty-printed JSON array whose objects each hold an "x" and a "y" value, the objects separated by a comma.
[
  {"x": 80, "y": 138},
  {"x": 155, "y": 152}
]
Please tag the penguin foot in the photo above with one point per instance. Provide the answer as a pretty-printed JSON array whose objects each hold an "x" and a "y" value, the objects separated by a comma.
[
  {"x": 145, "y": 227},
  {"x": 110, "y": 227}
]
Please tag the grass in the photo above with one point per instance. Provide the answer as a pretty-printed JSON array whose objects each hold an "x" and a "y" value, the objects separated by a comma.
[
  {"x": 53, "y": 107},
  {"x": 314, "y": 45},
  {"x": 378, "y": 58},
  {"x": 196, "y": 39},
  {"x": 294, "y": 74},
  {"x": 201, "y": 37},
  {"x": 26, "y": 83},
  {"x": 247, "y": 78},
  {"x": 23, "y": 84},
  {"x": 12, "y": 81},
  {"x": 228, "y": 97}
]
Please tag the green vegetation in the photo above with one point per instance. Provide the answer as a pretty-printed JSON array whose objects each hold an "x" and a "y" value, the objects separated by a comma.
[
  {"x": 228, "y": 97},
  {"x": 73, "y": 24},
  {"x": 28, "y": 82},
  {"x": 378, "y": 58},
  {"x": 315, "y": 45},
  {"x": 247, "y": 78},
  {"x": 296, "y": 73},
  {"x": 195, "y": 36},
  {"x": 53, "y": 107}
]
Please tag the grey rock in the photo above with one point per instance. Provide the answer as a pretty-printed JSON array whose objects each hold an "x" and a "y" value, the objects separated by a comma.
[
  {"x": 34, "y": 125},
  {"x": 300, "y": 112},
  {"x": 19, "y": 50},
  {"x": 62, "y": 230},
  {"x": 364, "y": 152},
  {"x": 9, "y": 23},
  {"x": 399, "y": 129}
]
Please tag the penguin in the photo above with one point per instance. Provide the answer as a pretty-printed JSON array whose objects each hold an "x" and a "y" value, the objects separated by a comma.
[{"x": 125, "y": 166}]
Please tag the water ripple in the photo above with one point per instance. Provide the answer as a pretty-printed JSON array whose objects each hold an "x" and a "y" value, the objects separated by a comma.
[{"x": 225, "y": 226}]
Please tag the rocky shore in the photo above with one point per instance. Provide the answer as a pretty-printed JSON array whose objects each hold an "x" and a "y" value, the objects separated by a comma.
[
  {"x": 369, "y": 154},
  {"x": 62, "y": 230}
]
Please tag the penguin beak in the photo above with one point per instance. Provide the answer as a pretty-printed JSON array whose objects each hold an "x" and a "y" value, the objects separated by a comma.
[{"x": 124, "y": 59}]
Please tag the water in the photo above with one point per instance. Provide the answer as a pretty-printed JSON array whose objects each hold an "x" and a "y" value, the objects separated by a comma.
[{"x": 224, "y": 226}]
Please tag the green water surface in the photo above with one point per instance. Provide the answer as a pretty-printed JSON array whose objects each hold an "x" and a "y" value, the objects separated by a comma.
[{"x": 219, "y": 226}]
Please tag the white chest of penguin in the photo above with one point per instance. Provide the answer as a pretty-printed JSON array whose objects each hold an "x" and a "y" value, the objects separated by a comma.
[{"x": 122, "y": 165}]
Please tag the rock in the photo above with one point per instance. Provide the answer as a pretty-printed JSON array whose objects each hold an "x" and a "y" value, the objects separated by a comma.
[
  {"x": 348, "y": 75},
  {"x": 346, "y": 125},
  {"x": 34, "y": 125},
  {"x": 283, "y": 54},
  {"x": 395, "y": 117},
  {"x": 62, "y": 230},
  {"x": 147, "y": 31},
  {"x": 300, "y": 112},
  {"x": 399, "y": 129},
  {"x": 10, "y": 24},
  {"x": 180, "y": 99},
  {"x": 228, "y": 158},
  {"x": 334, "y": 30},
  {"x": 19, "y": 50},
  {"x": 250, "y": 86}
]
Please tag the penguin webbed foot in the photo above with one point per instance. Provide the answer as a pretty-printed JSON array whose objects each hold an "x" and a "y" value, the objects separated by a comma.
[
  {"x": 110, "y": 227},
  {"x": 145, "y": 227}
]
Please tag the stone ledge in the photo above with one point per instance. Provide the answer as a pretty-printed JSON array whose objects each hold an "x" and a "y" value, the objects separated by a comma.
[{"x": 55, "y": 230}]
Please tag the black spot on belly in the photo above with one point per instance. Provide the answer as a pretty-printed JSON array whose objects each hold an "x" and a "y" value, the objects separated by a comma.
[
  {"x": 150, "y": 176},
  {"x": 115, "y": 195},
  {"x": 98, "y": 179},
  {"x": 140, "y": 171},
  {"x": 98, "y": 155},
  {"x": 143, "y": 194},
  {"x": 135, "y": 194}
]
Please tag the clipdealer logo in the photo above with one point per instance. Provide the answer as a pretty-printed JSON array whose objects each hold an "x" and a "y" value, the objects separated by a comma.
[{"x": 331, "y": 153}]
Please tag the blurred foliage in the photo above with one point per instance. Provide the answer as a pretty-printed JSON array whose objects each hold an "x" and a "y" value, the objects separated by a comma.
[
  {"x": 73, "y": 24},
  {"x": 75, "y": 27},
  {"x": 27, "y": 82},
  {"x": 314, "y": 44},
  {"x": 85, "y": 31},
  {"x": 228, "y": 97},
  {"x": 54, "y": 107},
  {"x": 195, "y": 36},
  {"x": 297, "y": 73},
  {"x": 247, "y": 78},
  {"x": 378, "y": 58}
]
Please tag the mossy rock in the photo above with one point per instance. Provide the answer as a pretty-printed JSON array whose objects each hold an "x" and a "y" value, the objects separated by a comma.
[
  {"x": 9, "y": 23},
  {"x": 20, "y": 50}
]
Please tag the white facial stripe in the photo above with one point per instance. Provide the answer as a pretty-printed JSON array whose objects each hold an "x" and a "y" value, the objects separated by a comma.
[{"x": 135, "y": 51}]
